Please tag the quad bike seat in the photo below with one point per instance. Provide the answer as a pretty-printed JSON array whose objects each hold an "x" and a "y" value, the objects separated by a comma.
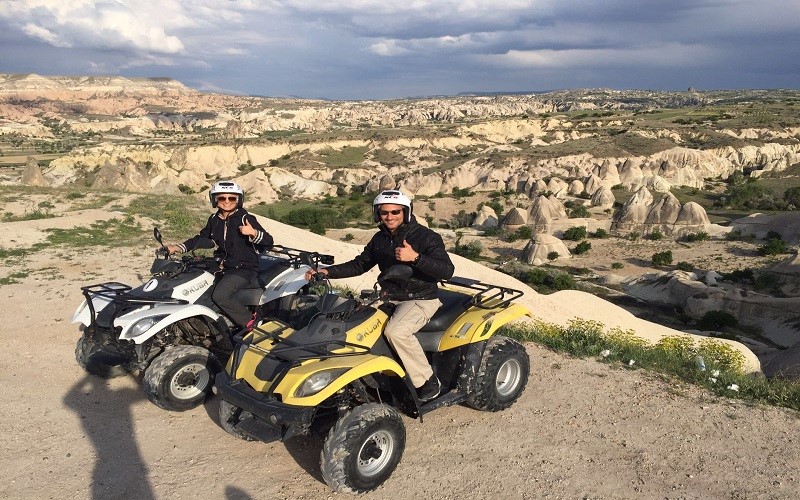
[
  {"x": 268, "y": 268},
  {"x": 453, "y": 304}
]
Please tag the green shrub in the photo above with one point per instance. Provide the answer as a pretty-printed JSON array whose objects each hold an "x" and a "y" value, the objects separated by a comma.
[
  {"x": 792, "y": 197},
  {"x": 717, "y": 320},
  {"x": 774, "y": 246},
  {"x": 525, "y": 232},
  {"x": 699, "y": 236},
  {"x": 552, "y": 255},
  {"x": 348, "y": 237},
  {"x": 685, "y": 266},
  {"x": 582, "y": 247},
  {"x": 617, "y": 265},
  {"x": 600, "y": 233},
  {"x": 655, "y": 235},
  {"x": 545, "y": 281},
  {"x": 471, "y": 250},
  {"x": 576, "y": 233},
  {"x": 634, "y": 235},
  {"x": 662, "y": 258},
  {"x": 740, "y": 276},
  {"x": 766, "y": 280},
  {"x": 579, "y": 212}
]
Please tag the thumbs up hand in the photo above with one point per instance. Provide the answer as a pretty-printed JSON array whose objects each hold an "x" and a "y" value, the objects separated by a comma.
[
  {"x": 405, "y": 253},
  {"x": 247, "y": 229}
]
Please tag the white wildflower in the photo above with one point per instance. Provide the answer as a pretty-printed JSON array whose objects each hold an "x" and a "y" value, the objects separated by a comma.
[
  {"x": 715, "y": 373},
  {"x": 713, "y": 380},
  {"x": 631, "y": 363},
  {"x": 605, "y": 353},
  {"x": 734, "y": 387}
]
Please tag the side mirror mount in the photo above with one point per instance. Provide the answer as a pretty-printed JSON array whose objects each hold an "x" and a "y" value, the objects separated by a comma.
[{"x": 157, "y": 236}]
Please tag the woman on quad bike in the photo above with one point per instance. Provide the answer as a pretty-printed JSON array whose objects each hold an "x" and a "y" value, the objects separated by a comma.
[
  {"x": 402, "y": 240},
  {"x": 239, "y": 238}
]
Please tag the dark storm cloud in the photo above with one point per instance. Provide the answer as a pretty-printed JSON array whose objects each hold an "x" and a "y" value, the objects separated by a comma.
[{"x": 378, "y": 49}]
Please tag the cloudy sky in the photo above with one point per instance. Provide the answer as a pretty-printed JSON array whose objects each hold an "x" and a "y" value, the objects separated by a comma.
[{"x": 376, "y": 49}]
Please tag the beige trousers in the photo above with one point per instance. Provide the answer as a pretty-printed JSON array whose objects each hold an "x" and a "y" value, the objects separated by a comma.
[{"x": 408, "y": 317}]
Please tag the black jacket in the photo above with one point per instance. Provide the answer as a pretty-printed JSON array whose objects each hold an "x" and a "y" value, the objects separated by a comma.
[
  {"x": 234, "y": 250},
  {"x": 434, "y": 262}
]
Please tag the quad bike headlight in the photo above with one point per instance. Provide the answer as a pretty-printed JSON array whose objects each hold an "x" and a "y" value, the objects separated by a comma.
[
  {"x": 318, "y": 381},
  {"x": 143, "y": 325}
]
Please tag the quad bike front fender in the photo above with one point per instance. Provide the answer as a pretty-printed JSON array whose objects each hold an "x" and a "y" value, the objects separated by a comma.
[
  {"x": 287, "y": 283},
  {"x": 158, "y": 318},
  {"x": 353, "y": 367},
  {"x": 83, "y": 314},
  {"x": 477, "y": 325}
]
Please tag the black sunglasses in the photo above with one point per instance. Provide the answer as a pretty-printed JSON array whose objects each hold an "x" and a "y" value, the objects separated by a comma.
[
  {"x": 227, "y": 198},
  {"x": 393, "y": 212}
]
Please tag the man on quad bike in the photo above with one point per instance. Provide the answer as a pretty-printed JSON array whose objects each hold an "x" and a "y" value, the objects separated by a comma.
[
  {"x": 402, "y": 240},
  {"x": 239, "y": 238}
]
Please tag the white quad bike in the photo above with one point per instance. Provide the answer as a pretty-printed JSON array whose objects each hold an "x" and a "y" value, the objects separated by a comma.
[{"x": 170, "y": 329}]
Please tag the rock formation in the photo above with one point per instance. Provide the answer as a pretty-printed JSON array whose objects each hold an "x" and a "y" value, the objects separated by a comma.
[
  {"x": 542, "y": 213},
  {"x": 515, "y": 218},
  {"x": 603, "y": 198},
  {"x": 541, "y": 246},
  {"x": 644, "y": 213},
  {"x": 32, "y": 174},
  {"x": 486, "y": 218}
]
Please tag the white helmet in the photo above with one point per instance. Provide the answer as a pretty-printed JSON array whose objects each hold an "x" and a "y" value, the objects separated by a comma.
[
  {"x": 393, "y": 197},
  {"x": 226, "y": 187}
]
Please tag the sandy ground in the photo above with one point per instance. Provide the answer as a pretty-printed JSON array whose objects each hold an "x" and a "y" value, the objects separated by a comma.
[{"x": 582, "y": 429}]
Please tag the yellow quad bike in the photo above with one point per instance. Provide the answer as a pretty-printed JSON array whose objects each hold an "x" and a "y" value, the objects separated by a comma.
[{"x": 338, "y": 376}]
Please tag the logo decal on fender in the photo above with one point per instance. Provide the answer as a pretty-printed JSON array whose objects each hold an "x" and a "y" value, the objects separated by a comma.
[{"x": 194, "y": 288}]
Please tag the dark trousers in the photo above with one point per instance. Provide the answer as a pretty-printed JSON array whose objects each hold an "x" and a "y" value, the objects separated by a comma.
[{"x": 227, "y": 285}]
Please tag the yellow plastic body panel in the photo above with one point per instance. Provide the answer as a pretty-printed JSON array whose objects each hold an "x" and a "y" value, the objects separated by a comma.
[
  {"x": 358, "y": 366},
  {"x": 364, "y": 334},
  {"x": 476, "y": 324}
]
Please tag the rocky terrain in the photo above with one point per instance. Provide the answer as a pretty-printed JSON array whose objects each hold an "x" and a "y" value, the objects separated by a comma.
[{"x": 630, "y": 163}]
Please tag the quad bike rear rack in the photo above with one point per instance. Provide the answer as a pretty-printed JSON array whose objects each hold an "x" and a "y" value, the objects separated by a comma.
[
  {"x": 487, "y": 294},
  {"x": 296, "y": 258}
]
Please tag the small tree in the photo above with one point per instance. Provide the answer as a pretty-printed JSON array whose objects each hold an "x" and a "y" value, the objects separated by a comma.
[
  {"x": 662, "y": 258},
  {"x": 792, "y": 198},
  {"x": 717, "y": 320},
  {"x": 775, "y": 246},
  {"x": 471, "y": 250},
  {"x": 579, "y": 212},
  {"x": 576, "y": 233},
  {"x": 582, "y": 247},
  {"x": 552, "y": 255}
]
